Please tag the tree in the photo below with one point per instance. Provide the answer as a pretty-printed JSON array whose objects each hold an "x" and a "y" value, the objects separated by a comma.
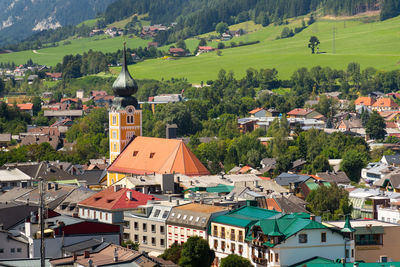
[
  {"x": 313, "y": 43},
  {"x": 173, "y": 253},
  {"x": 375, "y": 127},
  {"x": 181, "y": 44},
  {"x": 352, "y": 163},
  {"x": 321, "y": 164},
  {"x": 329, "y": 202},
  {"x": 221, "y": 27},
  {"x": 202, "y": 42},
  {"x": 37, "y": 105},
  {"x": 221, "y": 45},
  {"x": 234, "y": 260},
  {"x": 196, "y": 253}
]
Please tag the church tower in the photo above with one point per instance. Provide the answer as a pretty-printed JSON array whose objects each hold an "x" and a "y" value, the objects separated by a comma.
[{"x": 125, "y": 120}]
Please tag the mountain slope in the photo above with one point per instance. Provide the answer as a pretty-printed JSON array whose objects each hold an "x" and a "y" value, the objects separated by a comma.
[{"x": 20, "y": 18}]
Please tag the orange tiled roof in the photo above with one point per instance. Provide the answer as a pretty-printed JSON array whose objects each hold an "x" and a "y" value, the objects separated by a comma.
[
  {"x": 385, "y": 102},
  {"x": 391, "y": 124},
  {"x": 245, "y": 169},
  {"x": 254, "y": 111},
  {"x": 272, "y": 205},
  {"x": 110, "y": 199},
  {"x": 364, "y": 100},
  {"x": 27, "y": 106},
  {"x": 159, "y": 155}
]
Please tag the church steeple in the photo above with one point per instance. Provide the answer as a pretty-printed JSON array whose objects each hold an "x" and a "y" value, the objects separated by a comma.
[{"x": 124, "y": 85}]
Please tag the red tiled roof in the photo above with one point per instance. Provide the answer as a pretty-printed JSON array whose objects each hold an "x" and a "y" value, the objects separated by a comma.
[
  {"x": 364, "y": 100},
  {"x": 111, "y": 199},
  {"x": 385, "y": 102},
  {"x": 245, "y": 169},
  {"x": 391, "y": 124},
  {"x": 207, "y": 48},
  {"x": 254, "y": 111},
  {"x": 55, "y": 75},
  {"x": 176, "y": 50},
  {"x": 69, "y": 99},
  {"x": 300, "y": 111},
  {"x": 27, "y": 106},
  {"x": 149, "y": 154}
]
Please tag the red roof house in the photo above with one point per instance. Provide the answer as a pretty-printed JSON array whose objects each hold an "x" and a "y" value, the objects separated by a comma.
[
  {"x": 385, "y": 103},
  {"x": 364, "y": 101},
  {"x": 306, "y": 113},
  {"x": 206, "y": 48}
]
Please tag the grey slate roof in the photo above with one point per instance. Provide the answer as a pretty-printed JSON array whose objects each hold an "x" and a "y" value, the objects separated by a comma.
[
  {"x": 334, "y": 177},
  {"x": 11, "y": 215},
  {"x": 284, "y": 179},
  {"x": 90, "y": 244},
  {"x": 392, "y": 159},
  {"x": 32, "y": 169}
]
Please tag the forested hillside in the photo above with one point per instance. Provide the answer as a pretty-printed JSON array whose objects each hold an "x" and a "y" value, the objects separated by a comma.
[{"x": 20, "y": 18}]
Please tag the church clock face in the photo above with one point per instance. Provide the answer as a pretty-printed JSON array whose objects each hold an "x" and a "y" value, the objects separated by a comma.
[{"x": 130, "y": 110}]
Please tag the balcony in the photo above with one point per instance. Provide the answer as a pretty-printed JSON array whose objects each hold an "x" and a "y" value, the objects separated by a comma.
[{"x": 259, "y": 261}]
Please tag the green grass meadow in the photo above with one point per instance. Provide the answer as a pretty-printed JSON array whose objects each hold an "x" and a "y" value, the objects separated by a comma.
[{"x": 374, "y": 44}]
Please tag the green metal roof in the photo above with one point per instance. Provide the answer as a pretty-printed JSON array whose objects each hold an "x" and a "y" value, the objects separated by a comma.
[
  {"x": 245, "y": 216},
  {"x": 275, "y": 231},
  {"x": 221, "y": 188},
  {"x": 301, "y": 215},
  {"x": 315, "y": 260},
  {"x": 347, "y": 226},
  {"x": 288, "y": 227}
]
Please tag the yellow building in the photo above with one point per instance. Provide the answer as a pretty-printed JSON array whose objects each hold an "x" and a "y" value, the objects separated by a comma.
[{"x": 125, "y": 119}]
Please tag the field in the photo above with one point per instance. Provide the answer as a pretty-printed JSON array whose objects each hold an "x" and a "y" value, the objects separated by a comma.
[{"x": 374, "y": 44}]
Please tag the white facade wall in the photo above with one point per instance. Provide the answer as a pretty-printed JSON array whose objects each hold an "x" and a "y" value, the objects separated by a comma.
[
  {"x": 220, "y": 254},
  {"x": 292, "y": 251},
  {"x": 101, "y": 216},
  {"x": 388, "y": 214},
  {"x": 178, "y": 234}
]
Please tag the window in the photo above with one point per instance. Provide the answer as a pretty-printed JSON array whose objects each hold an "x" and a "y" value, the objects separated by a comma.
[
  {"x": 162, "y": 229},
  {"x": 114, "y": 134},
  {"x": 162, "y": 242},
  {"x": 115, "y": 146},
  {"x": 271, "y": 257},
  {"x": 101, "y": 215},
  {"x": 240, "y": 249},
  {"x": 106, "y": 216},
  {"x": 222, "y": 232},
  {"x": 215, "y": 232},
  {"x": 12, "y": 250},
  {"x": 191, "y": 218},
  {"x": 240, "y": 236},
  {"x": 197, "y": 219},
  {"x": 233, "y": 237},
  {"x": 215, "y": 243},
  {"x": 153, "y": 228},
  {"x": 157, "y": 213},
  {"x": 233, "y": 247},
  {"x": 276, "y": 257},
  {"x": 1, "y": 250},
  {"x": 203, "y": 220},
  {"x": 136, "y": 238},
  {"x": 153, "y": 241},
  {"x": 302, "y": 238},
  {"x": 136, "y": 225},
  {"x": 126, "y": 236},
  {"x": 369, "y": 239},
  {"x": 144, "y": 239},
  {"x": 144, "y": 227},
  {"x": 347, "y": 253},
  {"x": 165, "y": 214},
  {"x": 114, "y": 119},
  {"x": 152, "y": 155},
  {"x": 352, "y": 253},
  {"x": 178, "y": 216},
  {"x": 135, "y": 153},
  {"x": 223, "y": 245},
  {"x": 323, "y": 237},
  {"x": 383, "y": 219},
  {"x": 184, "y": 217}
]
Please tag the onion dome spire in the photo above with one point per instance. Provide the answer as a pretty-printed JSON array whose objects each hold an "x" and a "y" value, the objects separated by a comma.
[{"x": 124, "y": 85}]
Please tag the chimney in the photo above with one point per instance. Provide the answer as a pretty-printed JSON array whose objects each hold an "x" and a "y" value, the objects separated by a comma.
[
  {"x": 55, "y": 186},
  {"x": 86, "y": 254},
  {"x": 312, "y": 217},
  {"x": 115, "y": 255},
  {"x": 48, "y": 186},
  {"x": 171, "y": 131},
  {"x": 177, "y": 202},
  {"x": 129, "y": 195}
]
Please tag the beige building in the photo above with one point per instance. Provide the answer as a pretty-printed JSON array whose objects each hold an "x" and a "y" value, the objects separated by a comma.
[
  {"x": 191, "y": 220},
  {"x": 147, "y": 226},
  {"x": 375, "y": 240}
]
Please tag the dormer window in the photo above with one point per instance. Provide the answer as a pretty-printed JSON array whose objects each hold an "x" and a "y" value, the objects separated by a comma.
[
  {"x": 97, "y": 198},
  {"x": 135, "y": 153},
  {"x": 152, "y": 154},
  {"x": 110, "y": 200}
]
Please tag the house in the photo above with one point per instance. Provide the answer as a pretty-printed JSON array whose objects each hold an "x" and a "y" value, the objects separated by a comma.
[
  {"x": 5, "y": 140},
  {"x": 289, "y": 239},
  {"x": 13, "y": 246},
  {"x": 63, "y": 231},
  {"x": 374, "y": 171},
  {"x": 109, "y": 205},
  {"x": 150, "y": 183},
  {"x": 257, "y": 113},
  {"x": 145, "y": 155},
  {"x": 385, "y": 104},
  {"x": 229, "y": 231},
  {"x": 69, "y": 205},
  {"x": 291, "y": 180},
  {"x": 303, "y": 113},
  {"x": 147, "y": 226},
  {"x": 393, "y": 160},
  {"x": 350, "y": 125},
  {"x": 390, "y": 183},
  {"x": 95, "y": 93},
  {"x": 268, "y": 165},
  {"x": 10, "y": 178},
  {"x": 374, "y": 239},
  {"x": 389, "y": 212},
  {"x": 364, "y": 101},
  {"x": 111, "y": 255},
  {"x": 63, "y": 114},
  {"x": 177, "y": 52},
  {"x": 226, "y": 37},
  {"x": 334, "y": 177},
  {"x": 28, "y": 107},
  {"x": 32, "y": 78},
  {"x": 152, "y": 44},
  {"x": 38, "y": 139},
  {"x": 284, "y": 204},
  {"x": 55, "y": 76},
  {"x": 191, "y": 219},
  {"x": 206, "y": 49}
]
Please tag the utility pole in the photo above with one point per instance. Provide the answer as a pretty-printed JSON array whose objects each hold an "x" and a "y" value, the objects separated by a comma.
[{"x": 41, "y": 221}]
